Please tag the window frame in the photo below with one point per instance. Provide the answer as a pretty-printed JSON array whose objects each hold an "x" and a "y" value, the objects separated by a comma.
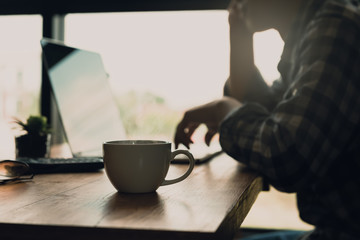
[{"x": 84, "y": 6}]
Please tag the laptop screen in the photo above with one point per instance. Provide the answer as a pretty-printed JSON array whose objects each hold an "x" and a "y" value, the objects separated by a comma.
[{"x": 87, "y": 108}]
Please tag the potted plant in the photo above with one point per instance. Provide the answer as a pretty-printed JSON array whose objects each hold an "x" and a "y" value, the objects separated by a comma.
[{"x": 35, "y": 140}]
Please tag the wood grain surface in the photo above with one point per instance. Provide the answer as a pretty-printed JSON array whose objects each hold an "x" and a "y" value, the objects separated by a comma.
[{"x": 210, "y": 204}]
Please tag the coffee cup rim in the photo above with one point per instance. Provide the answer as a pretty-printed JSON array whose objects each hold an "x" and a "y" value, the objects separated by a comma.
[{"x": 136, "y": 142}]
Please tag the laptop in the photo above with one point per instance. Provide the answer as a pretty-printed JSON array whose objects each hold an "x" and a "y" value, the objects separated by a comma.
[{"x": 88, "y": 110}]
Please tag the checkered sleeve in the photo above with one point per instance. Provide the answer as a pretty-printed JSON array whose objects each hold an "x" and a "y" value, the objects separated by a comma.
[
  {"x": 305, "y": 134},
  {"x": 258, "y": 91}
]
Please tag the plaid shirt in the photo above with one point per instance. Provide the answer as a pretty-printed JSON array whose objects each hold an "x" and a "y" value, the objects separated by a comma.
[{"x": 303, "y": 134}]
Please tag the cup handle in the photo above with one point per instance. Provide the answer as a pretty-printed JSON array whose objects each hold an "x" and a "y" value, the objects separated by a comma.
[{"x": 191, "y": 166}]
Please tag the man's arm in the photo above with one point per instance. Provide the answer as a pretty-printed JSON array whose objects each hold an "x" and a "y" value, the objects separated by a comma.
[
  {"x": 242, "y": 65},
  {"x": 299, "y": 140},
  {"x": 245, "y": 82}
]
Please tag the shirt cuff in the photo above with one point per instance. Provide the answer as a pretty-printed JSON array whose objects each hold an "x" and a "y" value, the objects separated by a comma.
[{"x": 239, "y": 130}]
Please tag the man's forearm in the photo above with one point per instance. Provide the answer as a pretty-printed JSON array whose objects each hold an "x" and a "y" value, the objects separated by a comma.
[{"x": 242, "y": 66}]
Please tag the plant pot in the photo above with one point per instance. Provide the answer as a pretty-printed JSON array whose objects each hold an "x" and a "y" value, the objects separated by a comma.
[{"x": 31, "y": 145}]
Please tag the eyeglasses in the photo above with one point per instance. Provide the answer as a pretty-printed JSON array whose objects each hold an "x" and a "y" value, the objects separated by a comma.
[{"x": 14, "y": 171}]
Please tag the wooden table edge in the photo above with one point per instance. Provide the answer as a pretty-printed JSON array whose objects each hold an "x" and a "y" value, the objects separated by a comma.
[{"x": 240, "y": 210}]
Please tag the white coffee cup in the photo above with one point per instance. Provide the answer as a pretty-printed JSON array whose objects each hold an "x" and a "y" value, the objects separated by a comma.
[{"x": 140, "y": 166}]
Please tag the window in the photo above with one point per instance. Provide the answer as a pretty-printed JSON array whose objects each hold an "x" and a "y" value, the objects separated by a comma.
[
  {"x": 268, "y": 47},
  {"x": 20, "y": 72},
  {"x": 160, "y": 63},
  {"x": 20, "y": 65}
]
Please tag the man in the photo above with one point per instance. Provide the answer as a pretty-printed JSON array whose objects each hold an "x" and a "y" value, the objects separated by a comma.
[{"x": 302, "y": 133}]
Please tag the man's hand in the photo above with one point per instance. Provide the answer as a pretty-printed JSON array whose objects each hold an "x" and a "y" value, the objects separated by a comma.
[
  {"x": 210, "y": 114},
  {"x": 237, "y": 11}
]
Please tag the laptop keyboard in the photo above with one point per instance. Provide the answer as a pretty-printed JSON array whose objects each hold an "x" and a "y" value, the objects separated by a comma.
[{"x": 64, "y": 165}]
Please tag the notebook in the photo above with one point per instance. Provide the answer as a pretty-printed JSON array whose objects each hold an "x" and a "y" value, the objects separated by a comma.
[{"x": 87, "y": 107}]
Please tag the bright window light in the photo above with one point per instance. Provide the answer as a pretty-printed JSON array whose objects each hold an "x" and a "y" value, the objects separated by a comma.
[
  {"x": 20, "y": 74},
  {"x": 268, "y": 47},
  {"x": 162, "y": 63},
  {"x": 159, "y": 63},
  {"x": 20, "y": 65}
]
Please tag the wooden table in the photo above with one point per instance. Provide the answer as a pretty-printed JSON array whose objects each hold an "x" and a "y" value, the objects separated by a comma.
[{"x": 210, "y": 204}]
